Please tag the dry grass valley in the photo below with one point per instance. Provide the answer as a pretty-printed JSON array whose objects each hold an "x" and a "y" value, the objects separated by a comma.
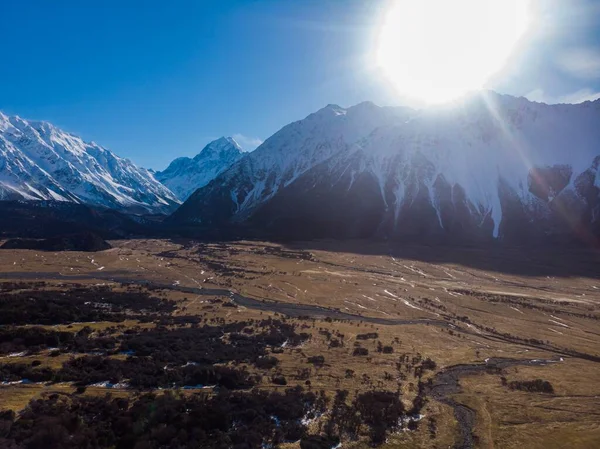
[{"x": 314, "y": 345}]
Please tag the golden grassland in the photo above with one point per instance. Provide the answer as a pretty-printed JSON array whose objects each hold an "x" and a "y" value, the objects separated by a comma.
[{"x": 514, "y": 292}]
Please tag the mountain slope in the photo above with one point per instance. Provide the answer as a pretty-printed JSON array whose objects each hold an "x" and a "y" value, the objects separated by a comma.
[
  {"x": 47, "y": 219},
  {"x": 41, "y": 162},
  {"x": 281, "y": 159},
  {"x": 184, "y": 175},
  {"x": 491, "y": 166}
]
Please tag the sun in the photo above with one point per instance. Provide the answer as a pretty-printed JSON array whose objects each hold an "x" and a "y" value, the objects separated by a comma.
[{"x": 437, "y": 50}]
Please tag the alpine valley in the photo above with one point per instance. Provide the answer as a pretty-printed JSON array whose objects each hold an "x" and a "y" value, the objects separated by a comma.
[{"x": 367, "y": 277}]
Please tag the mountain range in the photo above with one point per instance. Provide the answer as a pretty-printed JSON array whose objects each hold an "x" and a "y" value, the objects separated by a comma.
[
  {"x": 234, "y": 195},
  {"x": 489, "y": 166},
  {"x": 38, "y": 161}
]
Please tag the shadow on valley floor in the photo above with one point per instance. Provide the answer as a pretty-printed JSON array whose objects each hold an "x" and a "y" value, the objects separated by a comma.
[
  {"x": 535, "y": 260},
  {"x": 556, "y": 261}
]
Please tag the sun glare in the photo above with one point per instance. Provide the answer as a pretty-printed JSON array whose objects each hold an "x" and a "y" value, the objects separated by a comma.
[{"x": 437, "y": 50}]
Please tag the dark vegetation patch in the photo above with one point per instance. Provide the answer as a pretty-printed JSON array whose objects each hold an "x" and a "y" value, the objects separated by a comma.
[
  {"x": 13, "y": 286},
  {"x": 266, "y": 363},
  {"x": 279, "y": 379},
  {"x": 360, "y": 351},
  {"x": 318, "y": 442},
  {"x": 428, "y": 364},
  {"x": 34, "y": 339},
  {"x": 374, "y": 413},
  {"x": 317, "y": 360},
  {"x": 49, "y": 307},
  {"x": 85, "y": 241},
  {"x": 531, "y": 386},
  {"x": 137, "y": 372},
  {"x": 158, "y": 357},
  {"x": 335, "y": 343},
  {"x": 178, "y": 353},
  {"x": 213, "y": 344},
  {"x": 228, "y": 420},
  {"x": 31, "y": 339},
  {"x": 17, "y": 372},
  {"x": 147, "y": 373},
  {"x": 368, "y": 336},
  {"x": 248, "y": 420}
]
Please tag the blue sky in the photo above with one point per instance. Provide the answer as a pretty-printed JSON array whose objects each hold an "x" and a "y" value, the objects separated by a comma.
[{"x": 153, "y": 80}]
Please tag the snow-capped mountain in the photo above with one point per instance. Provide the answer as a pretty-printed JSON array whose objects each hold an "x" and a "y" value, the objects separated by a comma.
[
  {"x": 489, "y": 166},
  {"x": 41, "y": 162},
  {"x": 184, "y": 175},
  {"x": 282, "y": 159}
]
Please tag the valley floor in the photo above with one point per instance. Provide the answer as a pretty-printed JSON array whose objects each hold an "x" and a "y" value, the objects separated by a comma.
[{"x": 461, "y": 333}]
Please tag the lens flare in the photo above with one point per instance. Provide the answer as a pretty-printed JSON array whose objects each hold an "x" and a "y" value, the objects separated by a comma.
[{"x": 437, "y": 50}]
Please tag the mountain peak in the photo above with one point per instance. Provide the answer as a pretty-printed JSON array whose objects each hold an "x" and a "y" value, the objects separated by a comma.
[
  {"x": 231, "y": 141},
  {"x": 219, "y": 148},
  {"x": 364, "y": 105},
  {"x": 184, "y": 175},
  {"x": 286, "y": 156},
  {"x": 331, "y": 110}
]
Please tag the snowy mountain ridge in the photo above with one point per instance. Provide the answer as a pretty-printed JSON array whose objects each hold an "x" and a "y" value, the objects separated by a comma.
[
  {"x": 489, "y": 166},
  {"x": 284, "y": 157},
  {"x": 481, "y": 141},
  {"x": 184, "y": 175},
  {"x": 38, "y": 161}
]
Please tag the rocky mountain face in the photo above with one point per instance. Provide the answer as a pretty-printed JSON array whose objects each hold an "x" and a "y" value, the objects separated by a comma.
[
  {"x": 234, "y": 195},
  {"x": 184, "y": 175},
  {"x": 489, "y": 167},
  {"x": 41, "y": 162}
]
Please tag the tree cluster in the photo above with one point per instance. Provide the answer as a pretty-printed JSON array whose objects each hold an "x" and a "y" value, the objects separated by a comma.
[
  {"x": 48, "y": 307},
  {"x": 532, "y": 386},
  {"x": 158, "y": 357},
  {"x": 228, "y": 420},
  {"x": 374, "y": 412},
  {"x": 34, "y": 339}
]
